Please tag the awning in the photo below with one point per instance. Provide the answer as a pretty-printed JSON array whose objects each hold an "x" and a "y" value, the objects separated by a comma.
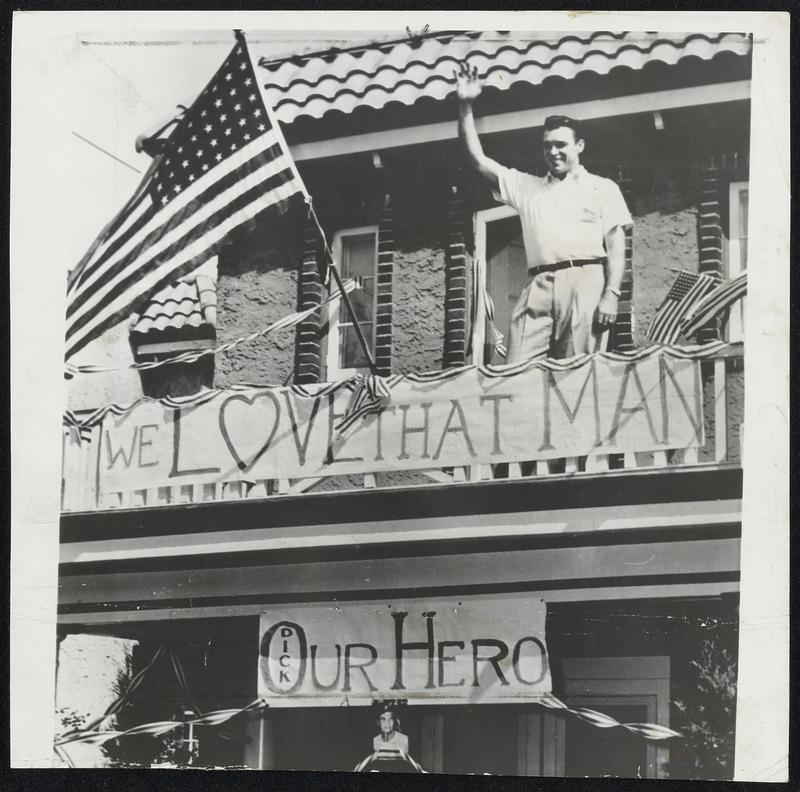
[
  {"x": 376, "y": 74},
  {"x": 188, "y": 306}
]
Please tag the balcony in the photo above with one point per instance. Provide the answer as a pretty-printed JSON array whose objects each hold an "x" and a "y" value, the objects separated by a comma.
[{"x": 722, "y": 388}]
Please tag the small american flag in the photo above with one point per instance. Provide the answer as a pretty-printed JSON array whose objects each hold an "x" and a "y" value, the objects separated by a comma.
[
  {"x": 688, "y": 289},
  {"x": 497, "y": 341},
  {"x": 715, "y": 303},
  {"x": 224, "y": 162}
]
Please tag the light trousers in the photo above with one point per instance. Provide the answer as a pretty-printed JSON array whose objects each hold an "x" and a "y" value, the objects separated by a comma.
[{"x": 555, "y": 314}]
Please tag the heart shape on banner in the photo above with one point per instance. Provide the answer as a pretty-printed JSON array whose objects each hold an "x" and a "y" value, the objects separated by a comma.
[{"x": 232, "y": 419}]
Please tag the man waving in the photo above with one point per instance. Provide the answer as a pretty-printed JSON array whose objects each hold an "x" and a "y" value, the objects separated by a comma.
[{"x": 573, "y": 226}]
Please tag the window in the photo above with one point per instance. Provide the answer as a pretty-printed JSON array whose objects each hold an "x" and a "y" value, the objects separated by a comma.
[
  {"x": 737, "y": 250},
  {"x": 356, "y": 252},
  {"x": 180, "y": 318}
]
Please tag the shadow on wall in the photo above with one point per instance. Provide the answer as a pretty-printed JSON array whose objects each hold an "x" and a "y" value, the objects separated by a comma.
[{"x": 257, "y": 285}]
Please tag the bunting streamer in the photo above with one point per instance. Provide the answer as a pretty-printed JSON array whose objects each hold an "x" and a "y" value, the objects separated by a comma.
[
  {"x": 689, "y": 352},
  {"x": 371, "y": 395},
  {"x": 156, "y": 728},
  {"x": 84, "y": 425},
  {"x": 649, "y": 731},
  {"x": 117, "y": 705},
  {"x": 190, "y": 357},
  {"x": 382, "y": 386}
]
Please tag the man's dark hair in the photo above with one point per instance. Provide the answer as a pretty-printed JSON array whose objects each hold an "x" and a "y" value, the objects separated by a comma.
[{"x": 557, "y": 121}]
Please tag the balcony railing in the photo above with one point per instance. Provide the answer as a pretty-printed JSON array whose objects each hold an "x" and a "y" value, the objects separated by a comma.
[{"x": 723, "y": 413}]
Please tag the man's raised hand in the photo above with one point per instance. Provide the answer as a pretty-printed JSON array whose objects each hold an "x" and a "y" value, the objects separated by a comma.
[{"x": 468, "y": 86}]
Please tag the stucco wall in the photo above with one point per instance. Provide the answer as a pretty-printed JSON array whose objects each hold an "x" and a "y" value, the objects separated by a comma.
[
  {"x": 257, "y": 285},
  {"x": 665, "y": 237},
  {"x": 89, "y": 391},
  {"x": 90, "y": 669},
  {"x": 418, "y": 286}
]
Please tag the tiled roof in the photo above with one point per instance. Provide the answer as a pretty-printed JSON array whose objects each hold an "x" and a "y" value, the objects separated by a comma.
[
  {"x": 405, "y": 71},
  {"x": 183, "y": 305}
]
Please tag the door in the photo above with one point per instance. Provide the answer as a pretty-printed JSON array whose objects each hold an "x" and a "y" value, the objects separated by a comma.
[
  {"x": 480, "y": 738},
  {"x": 498, "y": 242},
  {"x": 629, "y": 689},
  {"x": 591, "y": 752}
]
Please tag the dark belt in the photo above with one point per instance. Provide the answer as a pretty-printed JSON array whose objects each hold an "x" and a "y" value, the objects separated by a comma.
[{"x": 559, "y": 265}]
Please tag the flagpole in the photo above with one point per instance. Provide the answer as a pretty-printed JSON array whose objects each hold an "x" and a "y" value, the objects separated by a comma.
[{"x": 240, "y": 37}]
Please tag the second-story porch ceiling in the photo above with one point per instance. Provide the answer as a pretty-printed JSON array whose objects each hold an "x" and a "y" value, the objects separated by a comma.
[{"x": 403, "y": 72}]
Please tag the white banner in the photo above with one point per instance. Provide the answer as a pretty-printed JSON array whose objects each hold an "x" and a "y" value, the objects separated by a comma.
[
  {"x": 461, "y": 650},
  {"x": 599, "y": 404}
]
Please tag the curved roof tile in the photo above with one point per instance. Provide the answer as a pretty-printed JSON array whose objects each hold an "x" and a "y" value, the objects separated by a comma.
[
  {"x": 190, "y": 303},
  {"x": 407, "y": 71}
]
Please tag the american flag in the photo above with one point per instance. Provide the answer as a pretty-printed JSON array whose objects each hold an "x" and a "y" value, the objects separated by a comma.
[
  {"x": 715, "y": 303},
  {"x": 688, "y": 289},
  {"x": 224, "y": 162},
  {"x": 496, "y": 341}
]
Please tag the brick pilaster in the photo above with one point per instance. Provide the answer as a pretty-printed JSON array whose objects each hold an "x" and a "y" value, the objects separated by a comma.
[
  {"x": 383, "y": 289},
  {"x": 307, "y": 364},
  {"x": 709, "y": 233},
  {"x": 621, "y": 335},
  {"x": 455, "y": 284}
]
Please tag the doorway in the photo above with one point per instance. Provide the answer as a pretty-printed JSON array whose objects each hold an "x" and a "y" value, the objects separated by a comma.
[
  {"x": 499, "y": 243},
  {"x": 590, "y": 752},
  {"x": 334, "y": 738},
  {"x": 480, "y": 739}
]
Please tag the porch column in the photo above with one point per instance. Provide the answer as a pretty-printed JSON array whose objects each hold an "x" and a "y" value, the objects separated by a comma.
[
  {"x": 529, "y": 743},
  {"x": 455, "y": 284},
  {"x": 259, "y": 751},
  {"x": 431, "y": 753},
  {"x": 383, "y": 288},
  {"x": 621, "y": 335},
  {"x": 307, "y": 366},
  {"x": 709, "y": 233}
]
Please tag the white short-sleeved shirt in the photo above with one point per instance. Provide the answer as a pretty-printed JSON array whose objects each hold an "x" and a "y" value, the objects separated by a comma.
[{"x": 563, "y": 218}]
